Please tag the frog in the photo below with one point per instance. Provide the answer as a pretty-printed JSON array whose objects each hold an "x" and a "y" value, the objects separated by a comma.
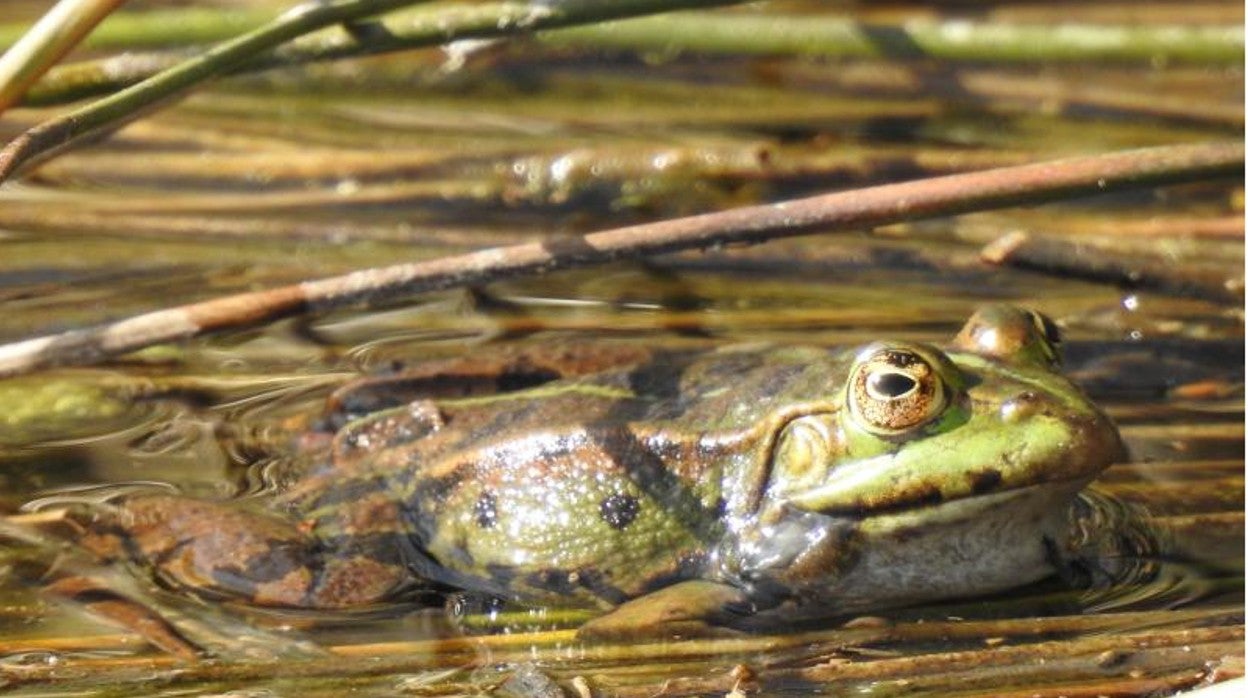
[{"x": 677, "y": 492}]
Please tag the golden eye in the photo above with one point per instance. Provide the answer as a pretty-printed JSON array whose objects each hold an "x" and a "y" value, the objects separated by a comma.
[
  {"x": 1007, "y": 333},
  {"x": 894, "y": 390}
]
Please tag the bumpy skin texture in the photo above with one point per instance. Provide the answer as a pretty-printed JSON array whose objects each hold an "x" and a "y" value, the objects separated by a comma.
[{"x": 729, "y": 486}]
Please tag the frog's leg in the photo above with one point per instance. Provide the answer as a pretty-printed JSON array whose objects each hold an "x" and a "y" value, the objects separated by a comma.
[
  {"x": 107, "y": 603},
  {"x": 223, "y": 550},
  {"x": 694, "y": 608}
]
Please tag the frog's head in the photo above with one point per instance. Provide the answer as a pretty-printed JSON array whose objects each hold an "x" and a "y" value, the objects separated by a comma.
[{"x": 918, "y": 426}]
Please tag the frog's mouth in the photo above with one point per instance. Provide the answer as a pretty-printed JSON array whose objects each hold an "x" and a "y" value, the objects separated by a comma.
[{"x": 835, "y": 500}]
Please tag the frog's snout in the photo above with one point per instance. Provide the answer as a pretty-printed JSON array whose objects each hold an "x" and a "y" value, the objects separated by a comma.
[
  {"x": 1082, "y": 441},
  {"x": 1101, "y": 441},
  {"x": 1091, "y": 445}
]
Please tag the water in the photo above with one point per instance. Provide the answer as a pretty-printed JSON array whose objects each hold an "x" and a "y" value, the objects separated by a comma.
[
  {"x": 280, "y": 178},
  {"x": 226, "y": 434}
]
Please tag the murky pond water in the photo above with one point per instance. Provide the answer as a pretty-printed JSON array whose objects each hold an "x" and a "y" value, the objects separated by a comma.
[
  {"x": 195, "y": 419},
  {"x": 287, "y": 176}
]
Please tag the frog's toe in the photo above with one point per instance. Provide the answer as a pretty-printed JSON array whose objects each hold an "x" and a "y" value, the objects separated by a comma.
[
  {"x": 689, "y": 609},
  {"x": 145, "y": 621}
]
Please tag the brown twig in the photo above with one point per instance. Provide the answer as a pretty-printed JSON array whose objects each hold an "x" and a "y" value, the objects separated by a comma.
[
  {"x": 1149, "y": 271},
  {"x": 849, "y": 210}
]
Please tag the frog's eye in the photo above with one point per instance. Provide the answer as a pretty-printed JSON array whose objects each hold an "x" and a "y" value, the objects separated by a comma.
[
  {"x": 1012, "y": 334},
  {"x": 893, "y": 390},
  {"x": 1046, "y": 328}
]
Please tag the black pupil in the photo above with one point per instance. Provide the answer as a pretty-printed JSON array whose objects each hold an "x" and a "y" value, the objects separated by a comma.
[
  {"x": 1051, "y": 333},
  {"x": 891, "y": 384}
]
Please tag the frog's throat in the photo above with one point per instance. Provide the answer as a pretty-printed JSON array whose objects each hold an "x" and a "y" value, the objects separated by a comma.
[{"x": 957, "y": 548}]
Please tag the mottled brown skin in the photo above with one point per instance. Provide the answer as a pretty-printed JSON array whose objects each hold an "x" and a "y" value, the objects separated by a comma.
[
  {"x": 367, "y": 500},
  {"x": 682, "y": 487}
]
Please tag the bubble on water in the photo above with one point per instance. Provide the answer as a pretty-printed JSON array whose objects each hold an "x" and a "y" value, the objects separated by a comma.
[{"x": 27, "y": 660}]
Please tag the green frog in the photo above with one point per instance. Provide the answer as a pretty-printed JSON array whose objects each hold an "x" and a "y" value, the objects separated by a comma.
[{"x": 674, "y": 491}]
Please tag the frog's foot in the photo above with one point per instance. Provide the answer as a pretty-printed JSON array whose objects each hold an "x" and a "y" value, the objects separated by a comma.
[
  {"x": 226, "y": 551},
  {"x": 695, "y": 608},
  {"x": 114, "y": 607}
]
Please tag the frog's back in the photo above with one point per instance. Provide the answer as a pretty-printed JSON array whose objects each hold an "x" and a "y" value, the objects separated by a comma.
[{"x": 599, "y": 488}]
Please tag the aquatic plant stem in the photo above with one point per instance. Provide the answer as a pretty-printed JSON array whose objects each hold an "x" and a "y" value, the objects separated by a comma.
[
  {"x": 125, "y": 106},
  {"x": 842, "y": 211},
  {"x": 53, "y": 36},
  {"x": 947, "y": 39},
  {"x": 430, "y": 29},
  {"x": 767, "y": 34},
  {"x": 1056, "y": 35}
]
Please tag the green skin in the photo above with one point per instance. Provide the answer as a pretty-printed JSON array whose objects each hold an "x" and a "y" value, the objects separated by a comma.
[{"x": 690, "y": 491}]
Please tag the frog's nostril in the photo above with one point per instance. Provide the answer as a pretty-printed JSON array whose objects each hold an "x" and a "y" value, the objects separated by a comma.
[{"x": 1020, "y": 407}]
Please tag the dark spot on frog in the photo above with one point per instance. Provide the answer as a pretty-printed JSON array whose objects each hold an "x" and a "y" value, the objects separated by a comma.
[
  {"x": 566, "y": 583},
  {"x": 419, "y": 510},
  {"x": 927, "y": 496},
  {"x": 280, "y": 560},
  {"x": 523, "y": 379},
  {"x": 596, "y": 582},
  {"x": 620, "y": 510},
  {"x": 557, "y": 581},
  {"x": 985, "y": 481},
  {"x": 504, "y": 575},
  {"x": 659, "y": 377},
  {"x": 432, "y": 490},
  {"x": 921, "y": 496},
  {"x": 657, "y": 385},
  {"x": 485, "y": 511},
  {"x": 647, "y": 471}
]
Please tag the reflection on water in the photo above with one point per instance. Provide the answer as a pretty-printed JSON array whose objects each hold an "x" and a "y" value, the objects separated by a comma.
[{"x": 239, "y": 435}]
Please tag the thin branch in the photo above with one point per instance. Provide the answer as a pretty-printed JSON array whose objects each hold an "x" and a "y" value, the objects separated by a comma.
[
  {"x": 426, "y": 29},
  {"x": 842, "y": 211},
  {"x": 163, "y": 24},
  {"x": 952, "y": 39},
  {"x": 53, "y": 36},
  {"x": 750, "y": 34},
  {"x": 116, "y": 110},
  {"x": 1079, "y": 259}
]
